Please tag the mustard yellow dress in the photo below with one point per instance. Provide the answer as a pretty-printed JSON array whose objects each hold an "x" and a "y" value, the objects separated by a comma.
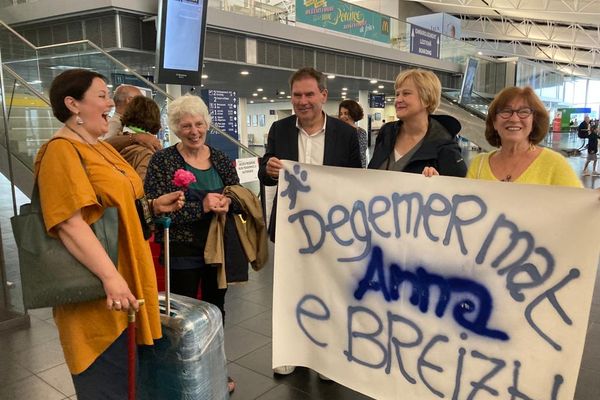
[{"x": 88, "y": 329}]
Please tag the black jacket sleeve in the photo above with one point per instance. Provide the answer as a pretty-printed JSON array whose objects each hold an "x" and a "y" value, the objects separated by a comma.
[{"x": 264, "y": 178}]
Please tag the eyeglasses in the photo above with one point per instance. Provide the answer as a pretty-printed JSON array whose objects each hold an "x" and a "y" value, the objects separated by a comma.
[{"x": 521, "y": 113}]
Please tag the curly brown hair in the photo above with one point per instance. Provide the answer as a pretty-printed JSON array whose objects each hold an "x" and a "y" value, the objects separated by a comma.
[
  {"x": 142, "y": 113},
  {"x": 541, "y": 118}
]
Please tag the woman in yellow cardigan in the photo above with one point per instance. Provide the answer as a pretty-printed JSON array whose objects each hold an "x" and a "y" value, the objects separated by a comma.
[{"x": 516, "y": 123}]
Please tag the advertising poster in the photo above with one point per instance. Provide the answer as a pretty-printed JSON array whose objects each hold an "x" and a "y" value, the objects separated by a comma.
[{"x": 345, "y": 18}]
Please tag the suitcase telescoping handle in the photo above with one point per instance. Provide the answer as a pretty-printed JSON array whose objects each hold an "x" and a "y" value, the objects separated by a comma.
[{"x": 166, "y": 222}]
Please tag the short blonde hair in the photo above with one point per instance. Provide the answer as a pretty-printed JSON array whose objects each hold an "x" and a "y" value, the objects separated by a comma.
[
  {"x": 187, "y": 104},
  {"x": 427, "y": 83}
]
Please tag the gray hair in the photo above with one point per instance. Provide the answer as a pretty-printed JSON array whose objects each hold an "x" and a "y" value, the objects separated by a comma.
[
  {"x": 122, "y": 93},
  {"x": 187, "y": 104}
]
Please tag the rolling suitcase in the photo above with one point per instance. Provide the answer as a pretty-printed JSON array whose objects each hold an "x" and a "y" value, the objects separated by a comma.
[{"x": 189, "y": 361}]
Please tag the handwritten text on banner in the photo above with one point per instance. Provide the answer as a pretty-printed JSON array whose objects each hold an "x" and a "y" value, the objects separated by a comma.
[{"x": 401, "y": 286}]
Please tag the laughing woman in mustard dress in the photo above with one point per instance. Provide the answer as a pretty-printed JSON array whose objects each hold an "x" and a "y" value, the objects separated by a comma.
[{"x": 78, "y": 177}]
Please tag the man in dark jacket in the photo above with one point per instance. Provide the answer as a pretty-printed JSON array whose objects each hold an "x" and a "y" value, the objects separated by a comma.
[{"x": 310, "y": 136}]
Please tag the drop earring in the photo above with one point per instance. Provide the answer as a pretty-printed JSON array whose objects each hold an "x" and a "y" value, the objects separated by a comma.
[{"x": 78, "y": 120}]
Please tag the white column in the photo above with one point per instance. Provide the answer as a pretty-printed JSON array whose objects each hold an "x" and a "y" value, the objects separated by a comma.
[
  {"x": 363, "y": 100},
  {"x": 242, "y": 112},
  {"x": 175, "y": 91}
]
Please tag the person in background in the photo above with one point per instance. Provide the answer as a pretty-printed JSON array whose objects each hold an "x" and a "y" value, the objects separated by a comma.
[
  {"x": 78, "y": 177},
  {"x": 122, "y": 96},
  {"x": 141, "y": 117},
  {"x": 592, "y": 150},
  {"x": 189, "y": 120},
  {"x": 351, "y": 112},
  {"x": 419, "y": 142},
  {"x": 516, "y": 123}
]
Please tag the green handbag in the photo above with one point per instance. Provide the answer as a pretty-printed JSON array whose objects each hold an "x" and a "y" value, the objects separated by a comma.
[{"x": 50, "y": 275}]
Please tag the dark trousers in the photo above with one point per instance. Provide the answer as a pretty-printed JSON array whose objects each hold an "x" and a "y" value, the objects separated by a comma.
[
  {"x": 185, "y": 282},
  {"x": 107, "y": 377}
]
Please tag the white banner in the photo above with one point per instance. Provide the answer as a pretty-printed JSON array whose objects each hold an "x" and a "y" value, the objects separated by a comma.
[{"x": 401, "y": 286}]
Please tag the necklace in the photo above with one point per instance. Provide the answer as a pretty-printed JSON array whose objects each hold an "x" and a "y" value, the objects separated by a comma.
[
  {"x": 95, "y": 149},
  {"x": 509, "y": 175},
  {"x": 112, "y": 164}
]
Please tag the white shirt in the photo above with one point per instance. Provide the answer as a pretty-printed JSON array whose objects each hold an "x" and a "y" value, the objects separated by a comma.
[{"x": 311, "y": 148}]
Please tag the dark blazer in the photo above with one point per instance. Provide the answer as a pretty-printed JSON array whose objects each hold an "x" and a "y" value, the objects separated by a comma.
[{"x": 341, "y": 150}]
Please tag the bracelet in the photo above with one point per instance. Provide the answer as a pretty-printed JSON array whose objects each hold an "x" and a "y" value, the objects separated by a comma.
[{"x": 151, "y": 206}]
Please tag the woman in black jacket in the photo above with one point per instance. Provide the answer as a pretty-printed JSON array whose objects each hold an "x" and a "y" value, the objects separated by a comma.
[{"x": 419, "y": 142}]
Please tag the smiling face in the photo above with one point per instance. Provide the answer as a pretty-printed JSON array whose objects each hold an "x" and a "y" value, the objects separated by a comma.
[
  {"x": 93, "y": 108},
  {"x": 191, "y": 130},
  {"x": 408, "y": 102},
  {"x": 344, "y": 115},
  {"x": 308, "y": 100},
  {"x": 515, "y": 129}
]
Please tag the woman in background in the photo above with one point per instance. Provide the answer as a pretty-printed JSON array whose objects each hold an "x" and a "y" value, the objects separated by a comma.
[
  {"x": 78, "y": 177},
  {"x": 516, "y": 123},
  {"x": 351, "y": 112},
  {"x": 142, "y": 116},
  {"x": 419, "y": 141}
]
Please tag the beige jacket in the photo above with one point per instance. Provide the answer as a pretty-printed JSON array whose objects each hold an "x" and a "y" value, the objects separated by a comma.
[{"x": 251, "y": 231}]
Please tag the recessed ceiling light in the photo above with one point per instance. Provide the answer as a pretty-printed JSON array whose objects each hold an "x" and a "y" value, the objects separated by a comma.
[
  {"x": 375, "y": 91},
  {"x": 373, "y": 81},
  {"x": 288, "y": 97},
  {"x": 344, "y": 93},
  {"x": 264, "y": 98},
  {"x": 126, "y": 69},
  {"x": 259, "y": 89},
  {"x": 281, "y": 92},
  {"x": 204, "y": 76},
  {"x": 251, "y": 101},
  {"x": 480, "y": 53},
  {"x": 330, "y": 76},
  {"x": 244, "y": 72},
  {"x": 380, "y": 86},
  {"x": 344, "y": 89},
  {"x": 109, "y": 85},
  {"x": 272, "y": 101},
  {"x": 202, "y": 85},
  {"x": 254, "y": 94}
]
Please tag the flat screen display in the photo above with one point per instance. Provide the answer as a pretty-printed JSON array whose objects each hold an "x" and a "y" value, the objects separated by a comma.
[
  {"x": 181, "y": 33},
  {"x": 376, "y": 100}
]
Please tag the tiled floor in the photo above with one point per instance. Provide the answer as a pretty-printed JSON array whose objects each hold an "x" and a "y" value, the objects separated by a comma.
[{"x": 32, "y": 366}]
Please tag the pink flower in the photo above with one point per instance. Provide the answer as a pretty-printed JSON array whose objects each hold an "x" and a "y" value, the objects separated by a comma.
[{"x": 183, "y": 178}]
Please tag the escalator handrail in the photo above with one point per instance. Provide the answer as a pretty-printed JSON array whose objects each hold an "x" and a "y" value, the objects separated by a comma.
[
  {"x": 23, "y": 82},
  {"x": 27, "y": 42}
]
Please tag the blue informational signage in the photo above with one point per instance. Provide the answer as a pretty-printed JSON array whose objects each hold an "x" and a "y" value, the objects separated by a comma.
[
  {"x": 376, "y": 100},
  {"x": 223, "y": 108},
  {"x": 424, "y": 42}
]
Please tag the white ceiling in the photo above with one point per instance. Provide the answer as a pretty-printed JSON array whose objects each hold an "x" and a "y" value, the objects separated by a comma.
[{"x": 563, "y": 32}]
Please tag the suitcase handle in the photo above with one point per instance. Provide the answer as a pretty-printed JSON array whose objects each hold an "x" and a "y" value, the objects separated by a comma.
[{"x": 166, "y": 223}]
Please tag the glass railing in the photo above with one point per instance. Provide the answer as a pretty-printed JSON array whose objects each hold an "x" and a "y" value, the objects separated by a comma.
[
  {"x": 38, "y": 66},
  {"x": 29, "y": 117},
  {"x": 451, "y": 49}
]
